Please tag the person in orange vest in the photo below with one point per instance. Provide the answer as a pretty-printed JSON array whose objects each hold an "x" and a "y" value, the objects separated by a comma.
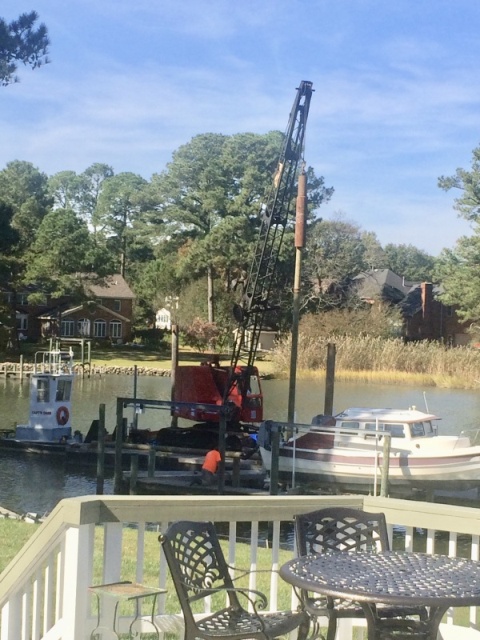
[{"x": 210, "y": 467}]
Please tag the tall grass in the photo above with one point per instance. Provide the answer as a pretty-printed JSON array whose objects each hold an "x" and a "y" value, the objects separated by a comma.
[{"x": 384, "y": 360}]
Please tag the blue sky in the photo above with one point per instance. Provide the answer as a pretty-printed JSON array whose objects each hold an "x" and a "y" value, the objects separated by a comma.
[{"x": 396, "y": 102}]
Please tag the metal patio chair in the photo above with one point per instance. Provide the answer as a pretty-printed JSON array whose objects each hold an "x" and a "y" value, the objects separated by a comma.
[
  {"x": 199, "y": 569},
  {"x": 344, "y": 529}
]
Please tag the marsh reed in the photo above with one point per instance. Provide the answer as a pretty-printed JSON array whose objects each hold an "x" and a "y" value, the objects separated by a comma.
[{"x": 374, "y": 359}]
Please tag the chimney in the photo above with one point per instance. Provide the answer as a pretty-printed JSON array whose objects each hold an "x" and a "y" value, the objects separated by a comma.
[{"x": 427, "y": 299}]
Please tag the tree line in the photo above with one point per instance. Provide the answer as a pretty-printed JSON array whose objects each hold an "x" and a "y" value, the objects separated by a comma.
[{"x": 185, "y": 235}]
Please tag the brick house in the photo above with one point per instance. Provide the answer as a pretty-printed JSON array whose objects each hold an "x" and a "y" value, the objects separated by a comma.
[
  {"x": 107, "y": 315},
  {"x": 424, "y": 316}
]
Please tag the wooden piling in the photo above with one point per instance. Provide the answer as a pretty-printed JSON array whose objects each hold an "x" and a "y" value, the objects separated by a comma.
[
  {"x": 133, "y": 474},
  {"x": 118, "y": 476},
  {"x": 101, "y": 450},
  {"x": 330, "y": 379}
]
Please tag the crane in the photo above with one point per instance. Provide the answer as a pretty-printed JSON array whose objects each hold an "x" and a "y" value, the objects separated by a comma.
[{"x": 238, "y": 384}]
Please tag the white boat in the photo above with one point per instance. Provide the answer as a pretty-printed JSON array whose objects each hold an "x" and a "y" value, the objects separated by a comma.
[
  {"x": 51, "y": 386},
  {"x": 346, "y": 452}
]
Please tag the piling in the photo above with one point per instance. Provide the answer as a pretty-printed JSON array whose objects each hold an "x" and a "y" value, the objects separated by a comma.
[
  {"x": 133, "y": 475},
  {"x": 385, "y": 466},
  {"x": 275, "y": 460},
  {"x": 118, "y": 476},
  {"x": 151, "y": 462},
  {"x": 330, "y": 379},
  {"x": 101, "y": 450}
]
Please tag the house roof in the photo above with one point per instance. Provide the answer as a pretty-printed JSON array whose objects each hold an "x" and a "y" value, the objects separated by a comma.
[
  {"x": 53, "y": 315},
  {"x": 113, "y": 286},
  {"x": 381, "y": 283}
]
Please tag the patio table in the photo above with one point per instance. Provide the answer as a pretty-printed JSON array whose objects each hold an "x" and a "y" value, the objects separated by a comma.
[{"x": 401, "y": 579}]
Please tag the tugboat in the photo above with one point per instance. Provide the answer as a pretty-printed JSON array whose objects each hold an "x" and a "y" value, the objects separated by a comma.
[{"x": 49, "y": 427}]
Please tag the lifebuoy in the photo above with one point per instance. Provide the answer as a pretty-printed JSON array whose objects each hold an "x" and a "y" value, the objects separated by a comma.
[{"x": 62, "y": 415}]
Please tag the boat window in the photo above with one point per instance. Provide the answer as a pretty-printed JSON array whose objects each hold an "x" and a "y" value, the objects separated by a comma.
[
  {"x": 350, "y": 424},
  {"x": 396, "y": 430},
  {"x": 417, "y": 429},
  {"x": 429, "y": 428},
  {"x": 373, "y": 426},
  {"x": 64, "y": 391},
  {"x": 43, "y": 394}
]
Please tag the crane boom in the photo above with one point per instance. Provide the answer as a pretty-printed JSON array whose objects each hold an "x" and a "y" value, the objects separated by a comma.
[{"x": 250, "y": 313}]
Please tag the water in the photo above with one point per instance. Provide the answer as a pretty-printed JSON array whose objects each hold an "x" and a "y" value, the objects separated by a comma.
[{"x": 36, "y": 483}]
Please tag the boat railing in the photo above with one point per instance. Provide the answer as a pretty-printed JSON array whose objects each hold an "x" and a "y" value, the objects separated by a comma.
[
  {"x": 53, "y": 362},
  {"x": 472, "y": 434},
  {"x": 101, "y": 539}
]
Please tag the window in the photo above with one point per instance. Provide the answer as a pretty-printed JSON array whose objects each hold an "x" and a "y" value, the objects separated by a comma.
[
  {"x": 117, "y": 305},
  {"x": 43, "y": 394},
  {"x": 417, "y": 429},
  {"x": 84, "y": 327},
  {"x": 115, "y": 329},
  {"x": 99, "y": 329},
  {"x": 22, "y": 321},
  {"x": 67, "y": 329},
  {"x": 64, "y": 391},
  {"x": 22, "y": 298}
]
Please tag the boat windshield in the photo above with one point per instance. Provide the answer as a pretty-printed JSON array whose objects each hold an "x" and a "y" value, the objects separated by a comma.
[{"x": 422, "y": 429}]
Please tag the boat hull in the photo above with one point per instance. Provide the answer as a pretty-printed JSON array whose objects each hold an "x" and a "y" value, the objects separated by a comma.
[{"x": 362, "y": 472}]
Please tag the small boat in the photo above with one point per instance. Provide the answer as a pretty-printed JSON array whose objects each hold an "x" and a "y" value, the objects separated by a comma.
[
  {"x": 346, "y": 452},
  {"x": 49, "y": 427}
]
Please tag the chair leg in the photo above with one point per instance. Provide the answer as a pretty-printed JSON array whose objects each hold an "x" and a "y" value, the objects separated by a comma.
[
  {"x": 332, "y": 626},
  {"x": 303, "y": 630}
]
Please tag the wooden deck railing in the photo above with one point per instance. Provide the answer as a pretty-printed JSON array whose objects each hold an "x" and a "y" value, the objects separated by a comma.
[{"x": 100, "y": 539}]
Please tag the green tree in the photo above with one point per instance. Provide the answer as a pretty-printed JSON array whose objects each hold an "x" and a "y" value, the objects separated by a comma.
[
  {"x": 210, "y": 197},
  {"x": 335, "y": 253},
  {"x": 25, "y": 189},
  {"x": 468, "y": 182},
  {"x": 25, "y": 202},
  {"x": 21, "y": 42},
  {"x": 119, "y": 208},
  {"x": 409, "y": 262},
  {"x": 457, "y": 270},
  {"x": 61, "y": 252}
]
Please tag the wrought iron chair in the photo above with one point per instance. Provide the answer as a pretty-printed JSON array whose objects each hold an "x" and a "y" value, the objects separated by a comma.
[
  {"x": 344, "y": 529},
  {"x": 199, "y": 569}
]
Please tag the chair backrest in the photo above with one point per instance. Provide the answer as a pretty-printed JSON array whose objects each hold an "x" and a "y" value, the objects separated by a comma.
[
  {"x": 197, "y": 563},
  {"x": 340, "y": 529}
]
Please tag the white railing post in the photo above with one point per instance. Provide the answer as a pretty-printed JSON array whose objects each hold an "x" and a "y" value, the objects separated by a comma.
[{"x": 76, "y": 580}]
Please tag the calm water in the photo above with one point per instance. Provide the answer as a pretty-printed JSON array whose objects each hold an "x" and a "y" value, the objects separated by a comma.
[{"x": 36, "y": 483}]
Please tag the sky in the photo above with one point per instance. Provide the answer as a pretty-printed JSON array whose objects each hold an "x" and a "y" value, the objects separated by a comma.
[{"x": 396, "y": 102}]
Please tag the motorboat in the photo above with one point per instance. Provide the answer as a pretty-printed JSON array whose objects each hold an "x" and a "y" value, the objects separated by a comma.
[
  {"x": 49, "y": 426},
  {"x": 350, "y": 451}
]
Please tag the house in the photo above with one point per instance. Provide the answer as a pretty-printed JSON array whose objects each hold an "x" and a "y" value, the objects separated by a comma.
[
  {"x": 266, "y": 340},
  {"x": 107, "y": 315},
  {"x": 163, "y": 319},
  {"x": 425, "y": 316}
]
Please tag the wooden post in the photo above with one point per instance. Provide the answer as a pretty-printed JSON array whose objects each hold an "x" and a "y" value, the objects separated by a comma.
[
  {"x": 330, "y": 379},
  {"x": 135, "y": 414},
  {"x": 385, "y": 466},
  {"x": 174, "y": 420},
  {"x": 101, "y": 450},
  {"x": 222, "y": 432},
  {"x": 133, "y": 475},
  {"x": 151, "y": 462},
  {"x": 21, "y": 368},
  {"x": 236, "y": 472},
  {"x": 275, "y": 460},
  {"x": 118, "y": 476}
]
